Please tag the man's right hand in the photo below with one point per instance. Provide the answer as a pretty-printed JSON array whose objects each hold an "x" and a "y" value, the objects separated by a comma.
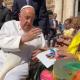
[{"x": 30, "y": 35}]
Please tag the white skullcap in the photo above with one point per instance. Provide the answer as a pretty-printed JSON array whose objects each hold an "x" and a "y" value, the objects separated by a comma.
[{"x": 27, "y": 6}]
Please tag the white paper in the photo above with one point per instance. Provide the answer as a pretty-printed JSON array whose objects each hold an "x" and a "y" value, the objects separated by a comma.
[{"x": 45, "y": 60}]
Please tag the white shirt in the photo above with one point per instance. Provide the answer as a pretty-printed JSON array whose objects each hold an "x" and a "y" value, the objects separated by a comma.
[{"x": 10, "y": 36}]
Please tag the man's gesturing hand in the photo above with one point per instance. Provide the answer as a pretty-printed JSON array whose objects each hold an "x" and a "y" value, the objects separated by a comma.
[{"x": 30, "y": 35}]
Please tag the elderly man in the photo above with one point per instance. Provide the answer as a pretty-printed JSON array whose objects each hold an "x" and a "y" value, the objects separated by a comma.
[
  {"x": 17, "y": 41},
  {"x": 41, "y": 18}
]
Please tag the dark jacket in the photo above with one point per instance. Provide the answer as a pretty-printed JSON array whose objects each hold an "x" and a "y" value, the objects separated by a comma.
[
  {"x": 41, "y": 19},
  {"x": 5, "y": 15}
]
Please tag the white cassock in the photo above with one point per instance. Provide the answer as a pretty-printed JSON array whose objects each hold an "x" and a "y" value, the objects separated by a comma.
[{"x": 14, "y": 57}]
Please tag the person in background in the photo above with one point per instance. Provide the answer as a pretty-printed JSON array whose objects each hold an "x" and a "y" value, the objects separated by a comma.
[
  {"x": 53, "y": 29},
  {"x": 5, "y": 14},
  {"x": 68, "y": 32},
  {"x": 18, "y": 39},
  {"x": 41, "y": 18},
  {"x": 61, "y": 27}
]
